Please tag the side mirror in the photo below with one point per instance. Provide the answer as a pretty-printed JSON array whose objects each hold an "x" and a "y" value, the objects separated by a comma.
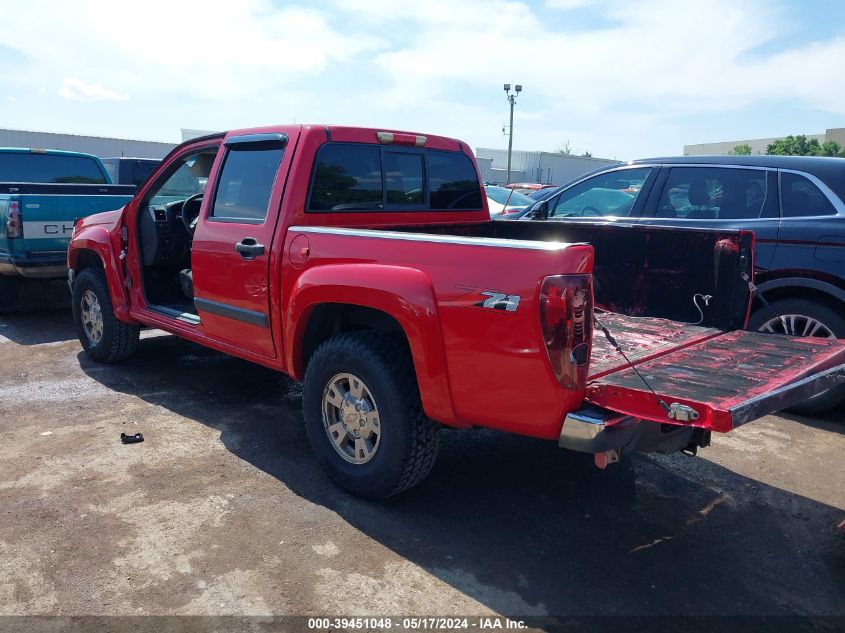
[{"x": 541, "y": 211}]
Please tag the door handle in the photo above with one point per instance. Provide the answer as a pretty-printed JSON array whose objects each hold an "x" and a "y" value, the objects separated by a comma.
[{"x": 249, "y": 248}]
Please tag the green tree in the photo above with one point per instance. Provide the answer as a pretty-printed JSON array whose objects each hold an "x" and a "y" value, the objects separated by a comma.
[
  {"x": 587, "y": 154},
  {"x": 798, "y": 145},
  {"x": 831, "y": 148},
  {"x": 741, "y": 150}
]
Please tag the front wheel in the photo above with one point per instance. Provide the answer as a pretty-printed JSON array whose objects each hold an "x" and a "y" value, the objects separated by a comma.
[
  {"x": 363, "y": 415},
  {"x": 800, "y": 317},
  {"x": 104, "y": 338}
]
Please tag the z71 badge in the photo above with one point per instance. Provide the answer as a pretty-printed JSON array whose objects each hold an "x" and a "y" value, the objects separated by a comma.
[
  {"x": 499, "y": 301},
  {"x": 490, "y": 299}
]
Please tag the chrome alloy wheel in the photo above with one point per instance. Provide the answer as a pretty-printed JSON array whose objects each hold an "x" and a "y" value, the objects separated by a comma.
[
  {"x": 796, "y": 325},
  {"x": 351, "y": 419},
  {"x": 92, "y": 317}
]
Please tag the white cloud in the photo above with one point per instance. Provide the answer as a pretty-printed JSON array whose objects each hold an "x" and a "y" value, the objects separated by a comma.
[
  {"x": 567, "y": 5},
  {"x": 78, "y": 90},
  {"x": 208, "y": 49}
]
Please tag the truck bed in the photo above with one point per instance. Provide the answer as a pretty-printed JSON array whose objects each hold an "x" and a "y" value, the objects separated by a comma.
[{"x": 641, "y": 338}]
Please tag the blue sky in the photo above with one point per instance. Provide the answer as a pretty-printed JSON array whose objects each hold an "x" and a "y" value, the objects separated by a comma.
[{"x": 620, "y": 79}]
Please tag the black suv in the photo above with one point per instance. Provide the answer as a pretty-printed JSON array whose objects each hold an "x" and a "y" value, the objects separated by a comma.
[{"x": 794, "y": 205}]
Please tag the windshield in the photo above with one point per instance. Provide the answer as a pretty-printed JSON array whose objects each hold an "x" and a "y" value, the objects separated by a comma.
[
  {"x": 188, "y": 179},
  {"x": 50, "y": 168},
  {"x": 500, "y": 195},
  {"x": 595, "y": 202}
]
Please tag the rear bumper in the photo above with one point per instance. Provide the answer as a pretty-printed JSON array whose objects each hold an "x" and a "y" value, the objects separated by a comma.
[
  {"x": 47, "y": 265},
  {"x": 599, "y": 431}
]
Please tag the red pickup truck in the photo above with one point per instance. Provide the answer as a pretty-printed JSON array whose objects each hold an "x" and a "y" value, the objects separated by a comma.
[{"x": 364, "y": 263}]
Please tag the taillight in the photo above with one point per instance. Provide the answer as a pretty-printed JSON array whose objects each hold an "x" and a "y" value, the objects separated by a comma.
[
  {"x": 14, "y": 222},
  {"x": 566, "y": 320}
]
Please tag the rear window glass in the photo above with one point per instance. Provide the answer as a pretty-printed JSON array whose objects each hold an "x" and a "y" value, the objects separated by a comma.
[
  {"x": 452, "y": 181},
  {"x": 801, "y": 198},
  {"x": 347, "y": 177},
  {"x": 50, "y": 168},
  {"x": 362, "y": 177},
  {"x": 245, "y": 185},
  {"x": 403, "y": 178}
]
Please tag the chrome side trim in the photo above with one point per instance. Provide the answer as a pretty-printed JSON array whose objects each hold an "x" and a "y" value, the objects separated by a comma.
[{"x": 495, "y": 242}]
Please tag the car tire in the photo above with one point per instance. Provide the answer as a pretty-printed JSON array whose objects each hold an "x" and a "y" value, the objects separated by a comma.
[
  {"x": 9, "y": 289},
  {"x": 104, "y": 338},
  {"x": 831, "y": 322},
  {"x": 386, "y": 400}
]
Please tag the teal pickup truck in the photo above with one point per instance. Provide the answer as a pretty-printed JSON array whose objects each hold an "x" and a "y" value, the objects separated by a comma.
[{"x": 42, "y": 192}]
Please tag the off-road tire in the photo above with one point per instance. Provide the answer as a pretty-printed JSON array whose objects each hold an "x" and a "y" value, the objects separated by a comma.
[
  {"x": 119, "y": 339},
  {"x": 408, "y": 443},
  {"x": 820, "y": 312}
]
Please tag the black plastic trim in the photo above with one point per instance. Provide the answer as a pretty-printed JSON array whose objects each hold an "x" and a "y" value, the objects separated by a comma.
[
  {"x": 254, "y": 141},
  {"x": 787, "y": 396},
  {"x": 251, "y": 317}
]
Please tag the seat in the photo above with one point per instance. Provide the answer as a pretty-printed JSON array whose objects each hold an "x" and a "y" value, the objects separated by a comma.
[
  {"x": 699, "y": 197},
  {"x": 186, "y": 281}
]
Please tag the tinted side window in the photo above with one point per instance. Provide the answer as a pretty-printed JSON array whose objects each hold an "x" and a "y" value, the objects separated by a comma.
[
  {"x": 609, "y": 194},
  {"x": 245, "y": 184},
  {"x": 141, "y": 171},
  {"x": 347, "y": 177},
  {"x": 452, "y": 181},
  {"x": 800, "y": 197},
  {"x": 712, "y": 193}
]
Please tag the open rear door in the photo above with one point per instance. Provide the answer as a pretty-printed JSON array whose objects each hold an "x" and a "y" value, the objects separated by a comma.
[{"x": 718, "y": 381}]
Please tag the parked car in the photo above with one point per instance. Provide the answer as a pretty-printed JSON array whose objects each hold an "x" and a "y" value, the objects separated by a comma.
[
  {"x": 41, "y": 193},
  {"x": 503, "y": 201},
  {"x": 130, "y": 171},
  {"x": 793, "y": 204},
  {"x": 527, "y": 188},
  {"x": 364, "y": 263},
  {"x": 540, "y": 194}
]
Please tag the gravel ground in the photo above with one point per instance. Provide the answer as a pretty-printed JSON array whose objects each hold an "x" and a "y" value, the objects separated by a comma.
[{"x": 223, "y": 510}]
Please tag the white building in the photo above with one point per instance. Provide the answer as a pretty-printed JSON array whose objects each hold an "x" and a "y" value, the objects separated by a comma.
[
  {"x": 546, "y": 167},
  {"x": 98, "y": 145}
]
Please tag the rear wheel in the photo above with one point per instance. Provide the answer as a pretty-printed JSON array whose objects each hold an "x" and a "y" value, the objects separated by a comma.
[
  {"x": 800, "y": 317},
  {"x": 363, "y": 415},
  {"x": 104, "y": 338},
  {"x": 9, "y": 287}
]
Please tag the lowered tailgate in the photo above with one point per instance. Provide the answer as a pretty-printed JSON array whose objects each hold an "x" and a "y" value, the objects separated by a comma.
[{"x": 720, "y": 380}]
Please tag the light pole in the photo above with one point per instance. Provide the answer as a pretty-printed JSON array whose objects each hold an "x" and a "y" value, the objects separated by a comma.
[{"x": 512, "y": 99}]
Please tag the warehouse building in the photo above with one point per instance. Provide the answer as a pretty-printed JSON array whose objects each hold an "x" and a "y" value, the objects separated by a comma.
[
  {"x": 550, "y": 168},
  {"x": 758, "y": 145},
  {"x": 98, "y": 145}
]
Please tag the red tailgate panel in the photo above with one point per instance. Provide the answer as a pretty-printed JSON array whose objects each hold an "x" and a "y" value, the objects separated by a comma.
[{"x": 729, "y": 380}]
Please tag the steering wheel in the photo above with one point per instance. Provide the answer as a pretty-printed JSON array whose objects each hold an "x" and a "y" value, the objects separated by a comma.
[
  {"x": 190, "y": 221},
  {"x": 590, "y": 211}
]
